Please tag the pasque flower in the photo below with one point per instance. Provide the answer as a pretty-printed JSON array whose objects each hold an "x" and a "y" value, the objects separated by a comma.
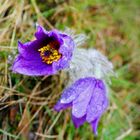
[
  {"x": 87, "y": 90},
  {"x": 88, "y": 99},
  {"x": 50, "y": 52}
]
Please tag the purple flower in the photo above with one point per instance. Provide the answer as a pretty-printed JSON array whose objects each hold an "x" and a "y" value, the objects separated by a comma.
[
  {"x": 87, "y": 97},
  {"x": 50, "y": 52}
]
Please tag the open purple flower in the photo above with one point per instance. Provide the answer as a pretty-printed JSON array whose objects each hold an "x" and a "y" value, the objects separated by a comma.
[
  {"x": 88, "y": 99},
  {"x": 49, "y": 52}
]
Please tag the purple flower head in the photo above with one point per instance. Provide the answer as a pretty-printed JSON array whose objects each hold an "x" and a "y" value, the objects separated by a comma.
[
  {"x": 50, "y": 52},
  {"x": 87, "y": 97}
]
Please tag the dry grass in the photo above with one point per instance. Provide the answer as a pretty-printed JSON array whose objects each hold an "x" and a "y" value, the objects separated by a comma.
[{"x": 26, "y": 102}]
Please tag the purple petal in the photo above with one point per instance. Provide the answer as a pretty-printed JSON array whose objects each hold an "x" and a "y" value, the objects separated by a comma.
[
  {"x": 72, "y": 92},
  {"x": 98, "y": 102},
  {"x": 66, "y": 49},
  {"x": 29, "y": 50},
  {"x": 81, "y": 102},
  {"x": 94, "y": 125},
  {"x": 55, "y": 34},
  {"x": 32, "y": 67},
  {"x": 41, "y": 33},
  {"x": 78, "y": 121},
  {"x": 59, "y": 106},
  {"x": 67, "y": 46},
  {"x": 48, "y": 36},
  {"x": 69, "y": 95}
]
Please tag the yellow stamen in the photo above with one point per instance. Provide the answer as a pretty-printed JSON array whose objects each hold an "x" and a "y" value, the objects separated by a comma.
[{"x": 49, "y": 54}]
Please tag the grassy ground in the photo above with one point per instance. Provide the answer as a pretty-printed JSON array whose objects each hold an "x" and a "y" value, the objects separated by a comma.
[{"x": 26, "y": 102}]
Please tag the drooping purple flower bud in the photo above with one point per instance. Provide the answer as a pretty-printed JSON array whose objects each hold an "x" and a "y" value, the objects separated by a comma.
[
  {"x": 88, "y": 99},
  {"x": 50, "y": 52}
]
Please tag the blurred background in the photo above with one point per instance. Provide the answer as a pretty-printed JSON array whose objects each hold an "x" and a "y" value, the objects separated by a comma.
[{"x": 26, "y": 103}]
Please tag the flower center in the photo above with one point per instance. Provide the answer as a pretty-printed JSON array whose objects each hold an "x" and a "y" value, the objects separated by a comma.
[{"x": 49, "y": 53}]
